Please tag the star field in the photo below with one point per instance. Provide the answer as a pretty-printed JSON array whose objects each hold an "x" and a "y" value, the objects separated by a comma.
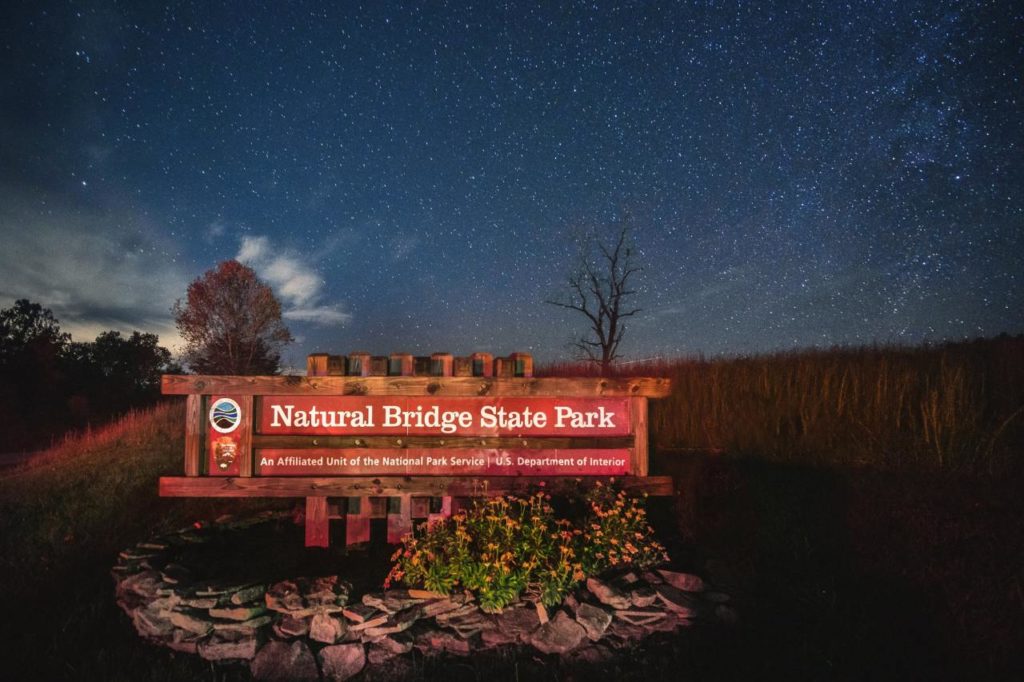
[{"x": 406, "y": 176}]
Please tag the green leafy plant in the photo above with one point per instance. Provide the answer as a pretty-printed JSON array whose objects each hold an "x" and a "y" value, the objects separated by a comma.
[{"x": 505, "y": 546}]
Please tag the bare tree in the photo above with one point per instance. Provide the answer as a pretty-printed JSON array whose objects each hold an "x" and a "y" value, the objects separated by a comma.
[{"x": 599, "y": 288}]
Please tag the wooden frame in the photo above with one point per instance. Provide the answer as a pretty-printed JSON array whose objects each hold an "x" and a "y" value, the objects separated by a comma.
[{"x": 228, "y": 466}]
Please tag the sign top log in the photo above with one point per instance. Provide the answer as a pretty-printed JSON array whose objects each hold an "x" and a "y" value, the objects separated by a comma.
[{"x": 440, "y": 386}]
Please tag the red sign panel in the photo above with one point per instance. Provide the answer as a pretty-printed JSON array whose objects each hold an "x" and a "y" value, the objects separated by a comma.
[
  {"x": 428, "y": 416},
  {"x": 464, "y": 462}
]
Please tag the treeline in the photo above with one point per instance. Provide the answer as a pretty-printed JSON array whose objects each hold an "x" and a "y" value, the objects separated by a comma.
[
  {"x": 956, "y": 407},
  {"x": 50, "y": 384}
]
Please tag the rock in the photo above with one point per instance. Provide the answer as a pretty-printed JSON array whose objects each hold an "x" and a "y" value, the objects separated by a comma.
[
  {"x": 193, "y": 621},
  {"x": 284, "y": 661},
  {"x": 150, "y": 623},
  {"x": 238, "y": 613},
  {"x": 357, "y": 613},
  {"x": 542, "y": 613},
  {"x": 469, "y": 624},
  {"x": 495, "y": 636},
  {"x": 372, "y": 622},
  {"x": 342, "y": 661},
  {"x": 652, "y": 578},
  {"x": 643, "y": 596},
  {"x": 397, "y": 644},
  {"x": 376, "y": 655},
  {"x": 608, "y": 594},
  {"x": 284, "y": 597},
  {"x": 629, "y": 578},
  {"x": 667, "y": 624},
  {"x": 326, "y": 629},
  {"x": 243, "y": 626},
  {"x": 682, "y": 581},
  {"x": 425, "y": 594},
  {"x": 640, "y": 616},
  {"x": 465, "y": 609},
  {"x": 248, "y": 594},
  {"x": 519, "y": 622},
  {"x": 678, "y": 601},
  {"x": 439, "y": 606},
  {"x": 559, "y": 635},
  {"x": 326, "y": 591},
  {"x": 432, "y": 642},
  {"x": 185, "y": 642},
  {"x": 200, "y": 602},
  {"x": 143, "y": 585},
  {"x": 594, "y": 620},
  {"x": 391, "y": 601},
  {"x": 622, "y": 634},
  {"x": 175, "y": 573},
  {"x": 218, "y": 649},
  {"x": 290, "y": 626},
  {"x": 398, "y": 622}
]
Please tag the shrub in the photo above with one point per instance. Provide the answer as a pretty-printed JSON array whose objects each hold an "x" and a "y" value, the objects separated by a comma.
[{"x": 504, "y": 546}]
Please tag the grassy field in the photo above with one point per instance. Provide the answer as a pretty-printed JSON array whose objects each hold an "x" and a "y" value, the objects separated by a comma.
[
  {"x": 956, "y": 407},
  {"x": 850, "y": 556}
]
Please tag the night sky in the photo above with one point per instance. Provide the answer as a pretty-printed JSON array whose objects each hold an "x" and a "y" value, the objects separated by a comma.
[{"x": 407, "y": 177}]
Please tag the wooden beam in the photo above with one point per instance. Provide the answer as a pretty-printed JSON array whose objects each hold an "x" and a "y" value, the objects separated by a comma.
[
  {"x": 441, "y": 442},
  {"x": 361, "y": 486},
  {"x": 193, "y": 433},
  {"x": 317, "y": 522},
  {"x": 579, "y": 387},
  {"x": 638, "y": 417}
]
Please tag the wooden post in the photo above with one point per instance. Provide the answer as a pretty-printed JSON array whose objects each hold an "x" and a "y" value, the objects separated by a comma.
[
  {"x": 245, "y": 429},
  {"x": 193, "y": 433},
  {"x": 503, "y": 367},
  {"x": 400, "y": 365},
  {"x": 358, "y": 365},
  {"x": 462, "y": 366},
  {"x": 316, "y": 364},
  {"x": 399, "y": 518},
  {"x": 357, "y": 520},
  {"x": 379, "y": 366},
  {"x": 483, "y": 364},
  {"x": 522, "y": 364},
  {"x": 444, "y": 367},
  {"x": 444, "y": 510},
  {"x": 317, "y": 522},
  {"x": 336, "y": 366},
  {"x": 441, "y": 364},
  {"x": 638, "y": 422}
]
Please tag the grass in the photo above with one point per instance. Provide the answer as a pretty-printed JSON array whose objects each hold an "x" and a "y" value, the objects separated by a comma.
[
  {"x": 64, "y": 516},
  {"x": 840, "y": 496},
  {"x": 956, "y": 407}
]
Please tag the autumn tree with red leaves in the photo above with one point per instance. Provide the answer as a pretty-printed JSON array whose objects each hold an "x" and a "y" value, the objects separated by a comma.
[{"x": 231, "y": 323}]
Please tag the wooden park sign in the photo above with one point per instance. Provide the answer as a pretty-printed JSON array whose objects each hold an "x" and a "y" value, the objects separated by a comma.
[{"x": 403, "y": 437}]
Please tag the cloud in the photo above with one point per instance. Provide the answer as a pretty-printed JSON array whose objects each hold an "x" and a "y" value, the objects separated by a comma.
[
  {"x": 298, "y": 286},
  {"x": 96, "y": 268}
]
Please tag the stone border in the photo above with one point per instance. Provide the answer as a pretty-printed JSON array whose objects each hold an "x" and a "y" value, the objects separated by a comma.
[{"x": 308, "y": 628}]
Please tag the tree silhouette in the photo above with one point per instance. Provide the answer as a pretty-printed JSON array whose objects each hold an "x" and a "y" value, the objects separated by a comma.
[
  {"x": 599, "y": 288},
  {"x": 231, "y": 323}
]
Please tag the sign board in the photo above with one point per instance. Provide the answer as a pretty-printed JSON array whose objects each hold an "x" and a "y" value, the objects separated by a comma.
[{"x": 469, "y": 427}]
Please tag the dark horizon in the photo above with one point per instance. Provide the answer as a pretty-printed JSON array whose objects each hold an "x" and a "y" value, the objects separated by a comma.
[{"x": 406, "y": 177}]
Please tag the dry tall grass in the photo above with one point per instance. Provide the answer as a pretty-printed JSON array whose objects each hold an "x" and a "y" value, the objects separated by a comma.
[{"x": 954, "y": 407}]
